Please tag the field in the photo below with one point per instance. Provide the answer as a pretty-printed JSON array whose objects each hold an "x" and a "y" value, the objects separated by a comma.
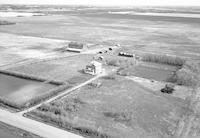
[
  {"x": 152, "y": 71},
  {"x": 103, "y": 111},
  {"x": 15, "y": 48},
  {"x": 128, "y": 103},
  {"x": 179, "y": 36},
  {"x": 58, "y": 75},
  {"x": 67, "y": 69},
  {"x": 7, "y": 131}
]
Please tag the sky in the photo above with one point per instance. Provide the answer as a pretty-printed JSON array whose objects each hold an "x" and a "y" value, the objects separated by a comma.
[{"x": 108, "y": 2}]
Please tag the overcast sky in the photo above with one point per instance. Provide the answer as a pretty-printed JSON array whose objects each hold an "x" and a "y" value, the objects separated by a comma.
[{"x": 108, "y": 2}]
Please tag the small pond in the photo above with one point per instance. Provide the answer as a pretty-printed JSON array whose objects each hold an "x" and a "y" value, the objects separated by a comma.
[{"x": 20, "y": 90}]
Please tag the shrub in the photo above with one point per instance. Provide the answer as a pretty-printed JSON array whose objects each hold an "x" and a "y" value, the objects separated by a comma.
[
  {"x": 73, "y": 105},
  {"x": 6, "y": 23},
  {"x": 109, "y": 77},
  {"x": 63, "y": 122},
  {"x": 188, "y": 75},
  {"x": 194, "y": 66},
  {"x": 121, "y": 116},
  {"x": 29, "y": 77},
  {"x": 113, "y": 62},
  {"x": 164, "y": 59},
  {"x": 120, "y": 62},
  {"x": 123, "y": 72},
  {"x": 185, "y": 77}
]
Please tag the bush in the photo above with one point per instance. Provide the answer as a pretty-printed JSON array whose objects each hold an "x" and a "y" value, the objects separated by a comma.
[
  {"x": 62, "y": 121},
  {"x": 113, "y": 62},
  {"x": 6, "y": 23},
  {"x": 109, "y": 77},
  {"x": 29, "y": 77},
  {"x": 188, "y": 75},
  {"x": 123, "y": 72},
  {"x": 120, "y": 62},
  {"x": 164, "y": 59},
  {"x": 194, "y": 66},
  {"x": 121, "y": 116}
]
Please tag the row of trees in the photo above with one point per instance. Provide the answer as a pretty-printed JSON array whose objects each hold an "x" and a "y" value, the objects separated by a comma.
[{"x": 164, "y": 59}]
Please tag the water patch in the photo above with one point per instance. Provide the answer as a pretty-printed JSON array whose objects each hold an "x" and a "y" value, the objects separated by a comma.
[
  {"x": 185, "y": 15},
  {"x": 19, "y": 14},
  {"x": 20, "y": 90}
]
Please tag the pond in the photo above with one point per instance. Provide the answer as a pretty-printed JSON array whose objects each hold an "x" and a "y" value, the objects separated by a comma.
[{"x": 19, "y": 90}]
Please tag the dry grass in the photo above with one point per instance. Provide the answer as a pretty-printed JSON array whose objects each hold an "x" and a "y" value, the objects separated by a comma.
[
  {"x": 64, "y": 70},
  {"x": 119, "y": 105}
]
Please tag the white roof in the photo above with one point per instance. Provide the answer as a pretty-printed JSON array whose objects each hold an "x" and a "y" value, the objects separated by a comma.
[
  {"x": 96, "y": 63},
  {"x": 74, "y": 49}
]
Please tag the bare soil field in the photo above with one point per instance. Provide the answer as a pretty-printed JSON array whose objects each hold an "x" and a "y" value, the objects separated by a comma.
[
  {"x": 101, "y": 112},
  {"x": 15, "y": 48},
  {"x": 166, "y": 34}
]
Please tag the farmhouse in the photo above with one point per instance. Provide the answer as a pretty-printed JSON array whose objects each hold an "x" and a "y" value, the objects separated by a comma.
[
  {"x": 76, "y": 47},
  {"x": 94, "y": 68}
]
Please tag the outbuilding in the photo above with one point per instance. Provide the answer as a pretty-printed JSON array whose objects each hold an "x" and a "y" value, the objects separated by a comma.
[{"x": 76, "y": 47}]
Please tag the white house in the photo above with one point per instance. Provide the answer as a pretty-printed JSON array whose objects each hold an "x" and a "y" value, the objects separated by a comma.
[{"x": 94, "y": 68}]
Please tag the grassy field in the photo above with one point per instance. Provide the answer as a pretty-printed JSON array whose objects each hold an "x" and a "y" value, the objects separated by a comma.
[
  {"x": 67, "y": 69},
  {"x": 101, "y": 112},
  {"x": 22, "y": 92},
  {"x": 152, "y": 71},
  {"x": 7, "y": 131}
]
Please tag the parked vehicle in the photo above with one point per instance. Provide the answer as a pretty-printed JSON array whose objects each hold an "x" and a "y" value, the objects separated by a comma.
[{"x": 169, "y": 88}]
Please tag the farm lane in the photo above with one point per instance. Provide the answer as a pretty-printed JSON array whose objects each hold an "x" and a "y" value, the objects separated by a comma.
[{"x": 62, "y": 94}]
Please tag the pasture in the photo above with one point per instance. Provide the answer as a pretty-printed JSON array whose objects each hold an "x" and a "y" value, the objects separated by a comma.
[
  {"x": 67, "y": 69},
  {"x": 152, "y": 71},
  {"x": 118, "y": 105}
]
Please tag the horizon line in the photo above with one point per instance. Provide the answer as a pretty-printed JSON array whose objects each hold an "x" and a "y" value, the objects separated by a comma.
[{"x": 102, "y": 5}]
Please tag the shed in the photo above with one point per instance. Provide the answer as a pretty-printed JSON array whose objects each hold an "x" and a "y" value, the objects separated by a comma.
[{"x": 75, "y": 47}]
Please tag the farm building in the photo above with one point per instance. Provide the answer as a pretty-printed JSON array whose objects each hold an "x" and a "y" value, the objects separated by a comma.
[
  {"x": 76, "y": 47},
  {"x": 94, "y": 68},
  {"x": 126, "y": 54}
]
